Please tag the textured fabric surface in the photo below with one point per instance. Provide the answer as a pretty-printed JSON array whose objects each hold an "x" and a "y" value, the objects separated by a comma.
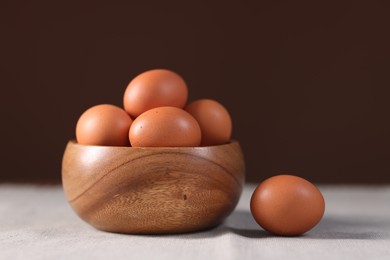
[{"x": 36, "y": 222}]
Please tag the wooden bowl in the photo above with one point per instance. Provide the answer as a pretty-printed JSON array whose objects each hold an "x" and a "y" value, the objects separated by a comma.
[{"x": 153, "y": 190}]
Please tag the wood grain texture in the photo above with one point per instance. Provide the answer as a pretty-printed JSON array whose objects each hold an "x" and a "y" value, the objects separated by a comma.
[{"x": 153, "y": 190}]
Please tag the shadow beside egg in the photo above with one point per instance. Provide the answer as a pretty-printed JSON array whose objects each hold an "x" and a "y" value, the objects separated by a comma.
[
  {"x": 241, "y": 223},
  {"x": 348, "y": 228}
]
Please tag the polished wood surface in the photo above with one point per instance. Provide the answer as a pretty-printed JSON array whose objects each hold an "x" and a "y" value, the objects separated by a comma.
[{"x": 153, "y": 190}]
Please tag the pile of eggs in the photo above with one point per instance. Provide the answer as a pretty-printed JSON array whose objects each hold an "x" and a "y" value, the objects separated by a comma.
[{"x": 156, "y": 114}]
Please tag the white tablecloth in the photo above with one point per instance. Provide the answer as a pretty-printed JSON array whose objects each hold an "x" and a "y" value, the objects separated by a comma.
[{"x": 36, "y": 222}]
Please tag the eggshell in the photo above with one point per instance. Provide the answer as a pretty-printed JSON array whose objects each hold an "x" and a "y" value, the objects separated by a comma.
[
  {"x": 104, "y": 125},
  {"x": 165, "y": 126},
  {"x": 155, "y": 88},
  {"x": 214, "y": 121},
  {"x": 287, "y": 205}
]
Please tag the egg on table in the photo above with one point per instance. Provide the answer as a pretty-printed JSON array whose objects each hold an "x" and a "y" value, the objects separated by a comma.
[{"x": 287, "y": 205}]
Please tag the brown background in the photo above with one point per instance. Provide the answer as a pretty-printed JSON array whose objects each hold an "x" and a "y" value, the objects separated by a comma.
[{"x": 306, "y": 82}]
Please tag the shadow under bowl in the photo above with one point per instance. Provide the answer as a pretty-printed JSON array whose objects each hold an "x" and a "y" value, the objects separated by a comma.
[{"x": 153, "y": 190}]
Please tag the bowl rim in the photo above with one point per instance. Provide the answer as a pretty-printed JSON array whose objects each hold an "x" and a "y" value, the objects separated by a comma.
[{"x": 231, "y": 142}]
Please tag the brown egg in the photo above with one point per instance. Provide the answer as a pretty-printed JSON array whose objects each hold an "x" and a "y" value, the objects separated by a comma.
[
  {"x": 155, "y": 88},
  {"x": 165, "y": 126},
  {"x": 287, "y": 205},
  {"x": 214, "y": 121},
  {"x": 104, "y": 125}
]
